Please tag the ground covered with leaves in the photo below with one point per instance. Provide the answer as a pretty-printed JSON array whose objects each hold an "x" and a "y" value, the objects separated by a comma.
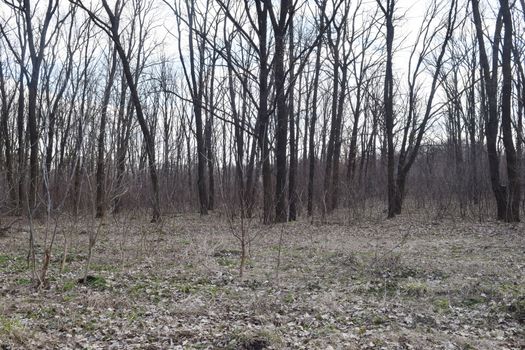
[{"x": 407, "y": 283}]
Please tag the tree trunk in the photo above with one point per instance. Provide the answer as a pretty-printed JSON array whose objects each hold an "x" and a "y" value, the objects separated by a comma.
[
  {"x": 338, "y": 141},
  {"x": 261, "y": 125},
  {"x": 292, "y": 190},
  {"x": 281, "y": 129},
  {"x": 512, "y": 213},
  {"x": 123, "y": 132},
  {"x": 21, "y": 154},
  {"x": 208, "y": 130},
  {"x": 389, "y": 110},
  {"x": 334, "y": 128}
]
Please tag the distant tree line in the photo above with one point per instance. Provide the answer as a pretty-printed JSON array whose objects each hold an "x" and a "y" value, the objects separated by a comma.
[{"x": 274, "y": 109}]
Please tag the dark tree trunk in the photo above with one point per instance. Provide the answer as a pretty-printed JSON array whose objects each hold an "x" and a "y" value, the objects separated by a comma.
[
  {"x": 338, "y": 141},
  {"x": 352, "y": 152},
  {"x": 281, "y": 129},
  {"x": 208, "y": 133},
  {"x": 33, "y": 136},
  {"x": 210, "y": 163},
  {"x": 389, "y": 110},
  {"x": 77, "y": 168},
  {"x": 471, "y": 112},
  {"x": 512, "y": 213},
  {"x": 334, "y": 129},
  {"x": 261, "y": 125},
  {"x": 201, "y": 161},
  {"x": 123, "y": 132},
  {"x": 292, "y": 190},
  {"x": 21, "y": 154}
]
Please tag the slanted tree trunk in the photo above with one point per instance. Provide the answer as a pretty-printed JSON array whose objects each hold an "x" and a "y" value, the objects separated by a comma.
[{"x": 113, "y": 31}]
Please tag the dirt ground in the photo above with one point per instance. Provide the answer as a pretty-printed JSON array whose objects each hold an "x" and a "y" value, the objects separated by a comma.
[{"x": 408, "y": 283}]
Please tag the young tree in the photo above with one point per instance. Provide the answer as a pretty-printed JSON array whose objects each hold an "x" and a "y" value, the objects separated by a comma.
[{"x": 195, "y": 76}]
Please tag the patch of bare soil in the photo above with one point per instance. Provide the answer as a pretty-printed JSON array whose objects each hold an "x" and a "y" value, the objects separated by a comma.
[{"x": 400, "y": 284}]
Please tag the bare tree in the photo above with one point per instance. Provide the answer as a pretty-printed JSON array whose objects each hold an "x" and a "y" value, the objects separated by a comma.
[
  {"x": 414, "y": 130},
  {"x": 490, "y": 80},
  {"x": 101, "y": 149},
  {"x": 195, "y": 76},
  {"x": 512, "y": 212},
  {"x": 313, "y": 120},
  {"x": 280, "y": 26},
  {"x": 37, "y": 41},
  {"x": 388, "y": 9},
  {"x": 112, "y": 30}
]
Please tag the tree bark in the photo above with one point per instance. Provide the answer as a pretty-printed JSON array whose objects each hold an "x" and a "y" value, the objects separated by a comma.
[
  {"x": 388, "y": 100},
  {"x": 292, "y": 174},
  {"x": 281, "y": 129},
  {"x": 512, "y": 213}
]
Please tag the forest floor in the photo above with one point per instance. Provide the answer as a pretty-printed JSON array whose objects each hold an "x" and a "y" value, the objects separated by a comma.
[{"x": 407, "y": 283}]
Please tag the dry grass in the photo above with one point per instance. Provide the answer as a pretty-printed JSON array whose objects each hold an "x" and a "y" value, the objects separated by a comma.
[{"x": 400, "y": 284}]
